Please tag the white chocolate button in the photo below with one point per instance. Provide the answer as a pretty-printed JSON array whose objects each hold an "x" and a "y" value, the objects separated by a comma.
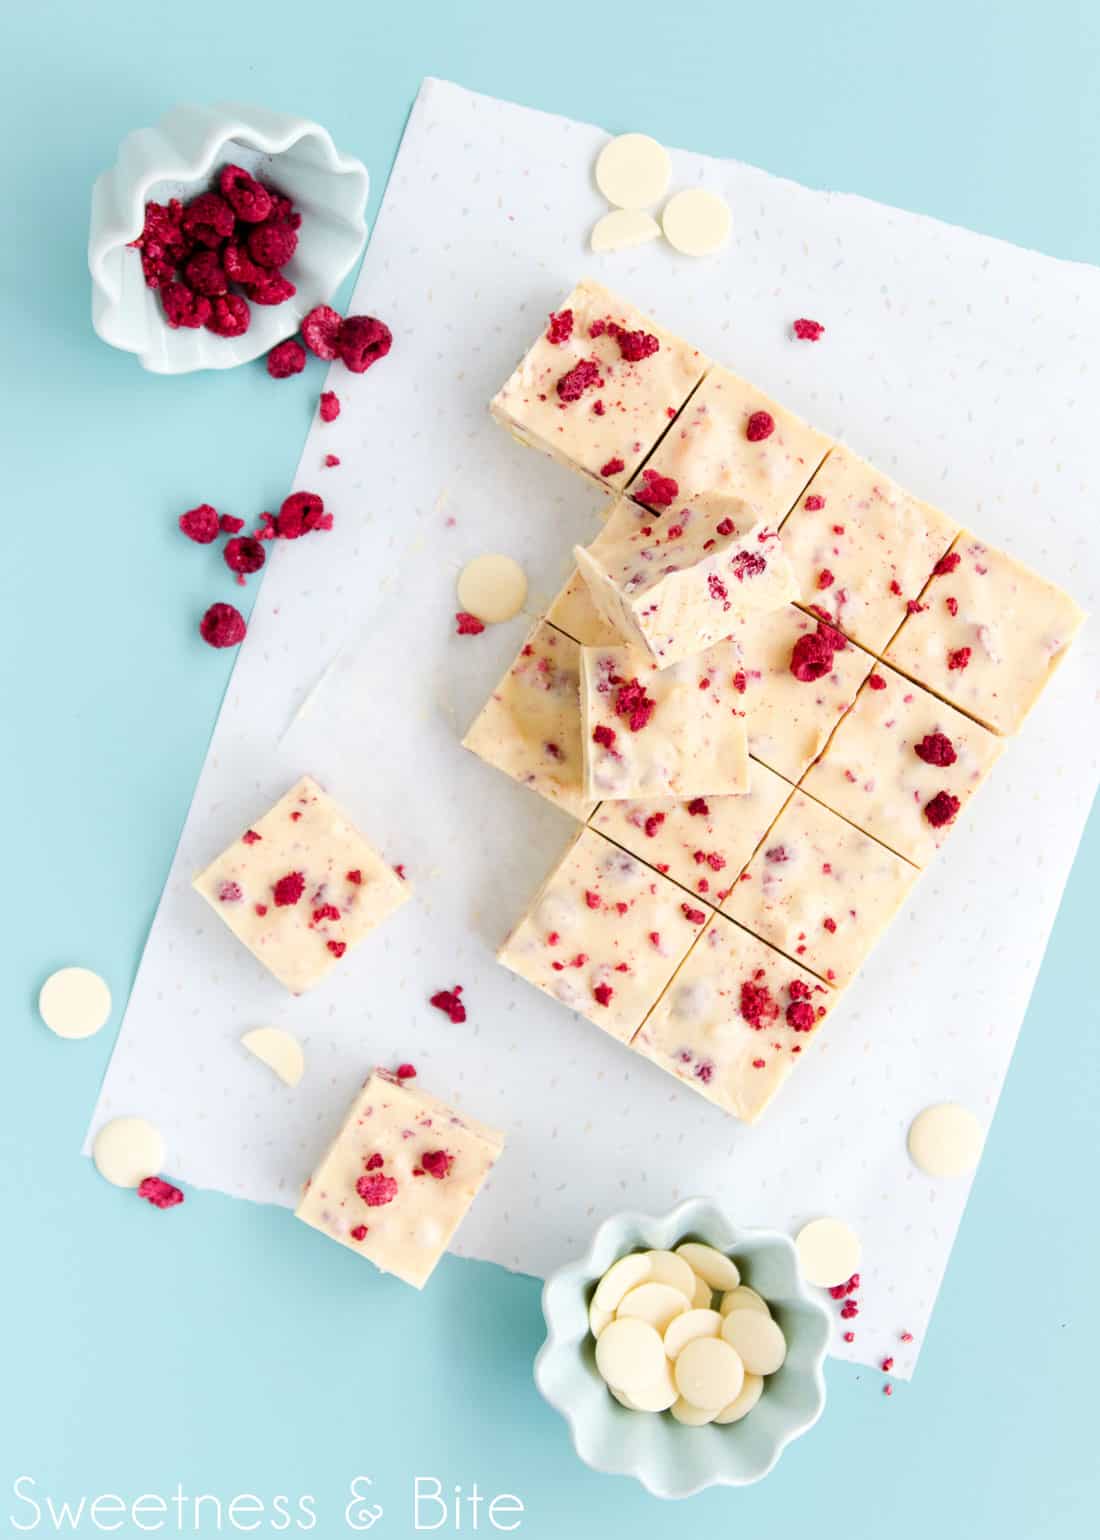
[
  {"x": 494, "y": 588},
  {"x": 623, "y": 228},
  {"x": 945, "y": 1140},
  {"x": 829, "y": 1251},
  {"x": 743, "y": 1403},
  {"x": 657, "y": 1303},
  {"x": 757, "y": 1339},
  {"x": 667, "y": 1267},
  {"x": 714, "y": 1267},
  {"x": 696, "y": 222},
  {"x": 74, "y": 1002},
  {"x": 744, "y": 1298},
  {"x": 687, "y": 1327},
  {"x": 709, "y": 1373},
  {"x": 704, "y": 1294},
  {"x": 633, "y": 171},
  {"x": 623, "y": 1399},
  {"x": 279, "y": 1050},
  {"x": 630, "y": 1355},
  {"x": 620, "y": 1278},
  {"x": 691, "y": 1416},
  {"x": 657, "y": 1397},
  {"x": 598, "y": 1319},
  {"x": 128, "y": 1150}
]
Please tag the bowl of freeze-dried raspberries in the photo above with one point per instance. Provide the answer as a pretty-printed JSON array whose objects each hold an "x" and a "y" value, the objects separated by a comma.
[{"x": 217, "y": 231}]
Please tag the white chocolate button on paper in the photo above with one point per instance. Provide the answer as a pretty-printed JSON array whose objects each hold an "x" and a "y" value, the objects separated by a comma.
[
  {"x": 280, "y": 1051},
  {"x": 714, "y": 1267},
  {"x": 630, "y": 1355},
  {"x": 709, "y": 1373},
  {"x": 696, "y": 222},
  {"x": 127, "y": 1150},
  {"x": 757, "y": 1340},
  {"x": 945, "y": 1140},
  {"x": 687, "y": 1327},
  {"x": 623, "y": 228},
  {"x": 829, "y": 1251},
  {"x": 633, "y": 171},
  {"x": 743, "y": 1403},
  {"x": 494, "y": 588},
  {"x": 74, "y": 1002}
]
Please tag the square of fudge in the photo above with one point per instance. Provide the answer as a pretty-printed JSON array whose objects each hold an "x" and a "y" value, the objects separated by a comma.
[
  {"x": 301, "y": 886},
  {"x": 669, "y": 732},
  {"x": 732, "y": 438},
  {"x": 530, "y": 727},
  {"x": 673, "y": 585},
  {"x": 703, "y": 843},
  {"x": 902, "y": 765},
  {"x": 793, "y": 685},
  {"x": 604, "y": 934},
  {"x": 988, "y": 635},
  {"x": 820, "y": 890},
  {"x": 396, "y": 1182},
  {"x": 861, "y": 548},
  {"x": 599, "y": 386},
  {"x": 735, "y": 1020},
  {"x": 573, "y": 610}
]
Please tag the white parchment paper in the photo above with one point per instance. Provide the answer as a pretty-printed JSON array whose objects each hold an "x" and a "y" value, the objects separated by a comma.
[{"x": 966, "y": 368}]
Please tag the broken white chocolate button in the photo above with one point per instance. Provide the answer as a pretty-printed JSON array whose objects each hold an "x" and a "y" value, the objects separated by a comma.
[
  {"x": 494, "y": 588},
  {"x": 623, "y": 228},
  {"x": 691, "y": 1416},
  {"x": 127, "y": 1150},
  {"x": 704, "y": 1294},
  {"x": 687, "y": 1327},
  {"x": 620, "y": 1278},
  {"x": 945, "y": 1140},
  {"x": 279, "y": 1050},
  {"x": 633, "y": 171},
  {"x": 714, "y": 1267},
  {"x": 74, "y": 1002},
  {"x": 656, "y": 1303},
  {"x": 744, "y": 1298},
  {"x": 709, "y": 1373},
  {"x": 696, "y": 222},
  {"x": 829, "y": 1252},
  {"x": 667, "y": 1267},
  {"x": 743, "y": 1403},
  {"x": 598, "y": 1319},
  {"x": 657, "y": 1397},
  {"x": 630, "y": 1355},
  {"x": 757, "y": 1340}
]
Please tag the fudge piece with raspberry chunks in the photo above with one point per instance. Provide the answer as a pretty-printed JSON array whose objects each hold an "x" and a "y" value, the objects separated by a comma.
[
  {"x": 573, "y": 610},
  {"x": 735, "y": 1020},
  {"x": 902, "y": 765},
  {"x": 396, "y": 1182},
  {"x": 669, "y": 732},
  {"x": 733, "y": 439},
  {"x": 988, "y": 635},
  {"x": 820, "y": 890},
  {"x": 599, "y": 385},
  {"x": 301, "y": 886},
  {"x": 530, "y": 727},
  {"x": 604, "y": 934},
  {"x": 862, "y": 549}
]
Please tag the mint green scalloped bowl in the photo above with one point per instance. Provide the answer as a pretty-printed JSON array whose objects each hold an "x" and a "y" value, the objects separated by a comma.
[{"x": 668, "y": 1459}]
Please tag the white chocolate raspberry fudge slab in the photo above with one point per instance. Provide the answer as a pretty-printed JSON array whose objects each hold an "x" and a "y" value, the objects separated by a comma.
[
  {"x": 902, "y": 765},
  {"x": 603, "y": 935},
  {"x": 572, "y": 610},
  {"x": 670, "y": 732},
  {"x": 704, "y": 843},
  {"x": 732, "y": 438},
  {"x": 530, "y": 727},
  {"x": 301, "y": 886},
  {"x": 861, "y": 548},
  {"x": 395, "y": 1183},
  {"x": 674, "y": 585},
  {"x": 793, "y": 685},
  {"x": 735, "y": 1020},
  {"x": 988, "y": 636},
  {"x": 599, "y": 386},
  {"x": 820, "y": 890}
]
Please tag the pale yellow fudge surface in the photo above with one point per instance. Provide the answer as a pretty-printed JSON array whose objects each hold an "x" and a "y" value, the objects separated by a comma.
[
  {"x": 989, "y": 634},
  {"x": 708, "y": 449},
  {"x": 705, "y": 843},
  {"x": 903, "y": 765},
  {"x": 674, "y": 585},
  {"x": 820, "y": 890},
  {"x": 397, "y": 1180},
  {"x": 735, "y": 1020},
  {"x": 861, "y": 548},
  {"x": 670, "y": 732},
  {"x": 572, "y": 610},
  {"x": 301, "y": 886},
  {"x": 600, "y": 396},
  {"x": 530, "y": 727},
  {"x": 603, "y": 935}
]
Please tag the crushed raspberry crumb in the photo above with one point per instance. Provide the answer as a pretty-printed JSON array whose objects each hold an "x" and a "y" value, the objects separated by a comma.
[
  {"x": 829, "y": 924},
  {"x": 330, "y": 406},
  {"x": 696, "y": 916},
  {"x": 936, "y": 749},
  {"x": 449, "y": 1002},
  {"x": 634, "y": 346},
  {"x": 887, "y": 1365},
  {"x": 825, "y": 578},
  {"x": 583, "y": 376},
  {"x": 437, "y": 1163},
  {"x": 598, "y": 408},
  {"x": 699, "y": 808},
  {"x": 906, "y": 1336},
  {"x": 603, "y": 994},
  {"x": 230, "y": 893},
  {"x": 337, "y": 948},
  {"x": 561, "y": 327},
  {"x": 757, "y": 1006},
  {"x": 761, "y": 425},
  {"x": 808, "y": 331},
  {"x": 849, "y": 1336},
  {"x": 604, "y": 736},
  {"x": 947, "y": 563},
  {"x": 634, "y": 705},
  {"x": 359, "y": 1233},
  {"x": 376, "y": 1191},
  {"x": 877, "y": 682},
  {"x": 200, "y": 524},
  {"x": 942, "y": 809},
  {"x": 406, "y": 1072},
  {"x": 814, "y": 503},
  {"x": 229, "y": 316},
  {"x": 375, "y": 1162},
  {"x": 655, "y": 938},
  {"x": 250, "y": 837},
  {"x": 354, "y": 876},
  {"x": 888, "y": 1390},
  {"x": 591, "y": 899},
  {"x": 325, "y": 912},
  {"x": 244, "y": 554},
  {"x": 812, "y": 657},
  {"x": 159, "y": 1193},
  {"x": 229, "y": 524},
  {"x": 331, "y": 460},
  {"x": 287, "y": 358},
  {"x": 222, "y": 626},
  {"x": 801, "y": 1016},
  {"x": 362, "y": 341},
  {"x": 657, "y": 490},
  {"x": 959, "y": 659},
  {"x": 183, "y": 307},
  {"x": 952, "y": 605},
  {"x": 653, "y": 824},
  {"x": 613, "y": 467},
  {"x": 320, "y": 332},
  {"x": 914, "y": 607},
  {"x": 748, "y": 564},
  {"x": 467, "y": 624},
  {"x": 758, "y": 1063}
]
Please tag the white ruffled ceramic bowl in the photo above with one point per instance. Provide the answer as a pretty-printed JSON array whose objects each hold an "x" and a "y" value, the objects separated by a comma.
[
  {"x": 668, "y": 1459},
  {"x": 177, "y": 159}
]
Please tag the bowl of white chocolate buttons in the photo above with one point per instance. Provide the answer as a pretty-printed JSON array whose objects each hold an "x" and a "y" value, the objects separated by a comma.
[{"x": 683, "y": 1350}]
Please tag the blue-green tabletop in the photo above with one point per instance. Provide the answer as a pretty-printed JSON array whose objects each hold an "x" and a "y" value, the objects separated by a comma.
[{"x": 202, "y": 1347}]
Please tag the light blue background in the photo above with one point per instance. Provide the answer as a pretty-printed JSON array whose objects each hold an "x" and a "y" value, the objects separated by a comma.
[{"x": 206, "y": 1346}]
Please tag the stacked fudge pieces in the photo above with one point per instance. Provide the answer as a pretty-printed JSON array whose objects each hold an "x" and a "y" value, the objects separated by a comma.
[{"x": 769, "y": 689}]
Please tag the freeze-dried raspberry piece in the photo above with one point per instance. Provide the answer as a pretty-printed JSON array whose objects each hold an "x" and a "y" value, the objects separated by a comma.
[
  {"x": 437, "y": 1163},
  {"x": 467, "y": 624},
  {"x": 959, "y": 659},
  {"x": 300, "y": 513},
  {"x": 289, "y": 889},
  {"x": 613, "y": 466},
  {"x": 200, "y": 524},
  {"x": 162, "y": 234},
  {"x": 696, "y": 916},
  {"x": 325, "y": 912},
  {"x": 272, "y": 244},
  {"x": 814, "y": 503},
  {"x": 183, "y": 307},
  {"x": 330, "y": 406},
  {"x": 359, "y": 1233},
  {"x": 748, "y": 564},
  {"x": 271, "y": 289},
  {"x": 244, "y": 554},
  {"x": 952, "y": 605},
  {"x": 331, "y": 460},
  {"x": 757, "y": 1006},
  {"x": 229, "y": 316},
  {"x": 582, "y": 377},
  {"x": 877, "y": 682},
  {"x": 159, "y": 1193},
  {"x": 320, "y": 331},
  {"x": 450, "y": 1003},
  {"x": 405, "y": 1072},
  {"x": 808, "y": 331},
  {"x": 653, "y": 824},
  {"x": 239, "y": 266},
  {"x": 811, "y": 657},
  {"x": 362, "y": 341},
  {"x": 698, "y": 807},
  {"x": 561, "y": 327},
  {"x": 603, "y": 993},
  {"x": 250, "y": 837},
  {"x": 942, "y": 809},
  {"x": 946, "y": 564},
  {"x": 760, "y": 425},
  {"x": 657, "y": 490},
  {"x": 825, "y": 578},
  {"x": 936, "y": 749},
  {"x": 634, "y": 346},
  {"x": 285, "y": 359},
  {"x": 801, "y": 1016},
  {"x": 208, "y": 219},
  {"x": 230, "y": 893},
  {"x": 376, "y": 1191},
  {"x": 337, "y": 948},
  {"x": 798, "y": 989},
  {"x": 229, "y": 524},
  {"x": 222, "y": 626},
  {"x": 245, "y": 196},
  {"x": 632, "y": 703},
  {"x": 604, "y": 736},
  {"x": 205, "y": 274}
]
